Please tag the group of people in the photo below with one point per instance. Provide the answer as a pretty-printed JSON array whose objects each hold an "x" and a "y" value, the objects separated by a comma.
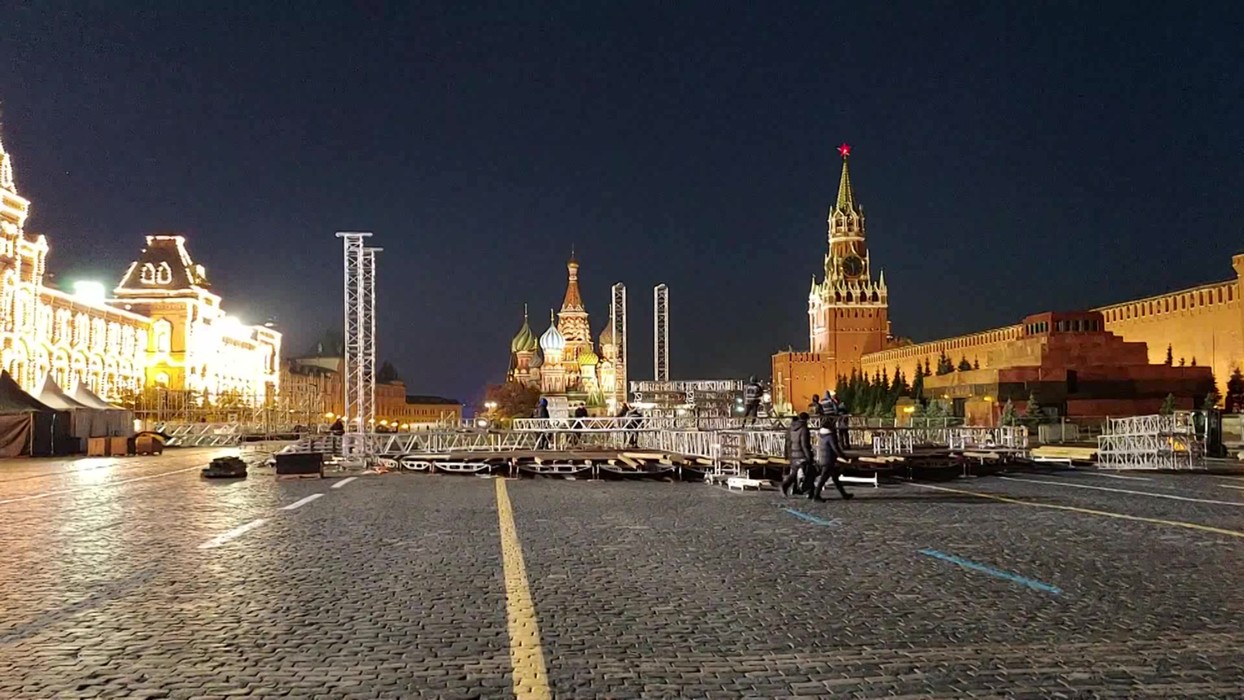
[
  {"x": 811, "y": 468},
  {"x": 833, "y": 413}
]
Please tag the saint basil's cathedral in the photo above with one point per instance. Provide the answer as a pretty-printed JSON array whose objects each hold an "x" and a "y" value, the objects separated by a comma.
[{"x": 562, "y": 361}]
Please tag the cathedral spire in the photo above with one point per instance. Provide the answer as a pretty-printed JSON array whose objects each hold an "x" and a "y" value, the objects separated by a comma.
[
  {"x": 846, "y": 198},
  {"x": 573, "y": 300}
]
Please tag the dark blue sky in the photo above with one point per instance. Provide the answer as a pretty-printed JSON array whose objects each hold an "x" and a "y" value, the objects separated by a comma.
[{"x": 1010, "y": 159}]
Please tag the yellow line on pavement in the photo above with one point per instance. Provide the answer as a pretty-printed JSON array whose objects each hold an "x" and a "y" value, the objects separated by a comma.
[
  {"x": 531, "y": 680},
  {"x": 1089, "y": 511}
]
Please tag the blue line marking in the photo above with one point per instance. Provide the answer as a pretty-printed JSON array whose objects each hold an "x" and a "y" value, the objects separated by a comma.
[
  {"x": 812, "y": 518},
  {"x": 998, "y": 573}
]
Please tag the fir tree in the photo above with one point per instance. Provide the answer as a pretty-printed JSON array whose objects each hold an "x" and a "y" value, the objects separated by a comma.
[
  {"x": 1009, "y": 415},
  {"x": 1213, "y": 397},
  {"x": 944, "y": 365},
  {"x": 976, "y": 363},
  {"x": 1170, "y": 356},
  {"x": 1235, "y": 385},
  {"x": 928, "y": 372},
  {"x": 1168, "y": 406},
  {"x": 1182, "y": 362},
  {"x": 1194, "y": 361},
  {"x": 964, "y": 365},
  {"x": 917, "y": 388},
  {"x": 1032, "y": 412}
]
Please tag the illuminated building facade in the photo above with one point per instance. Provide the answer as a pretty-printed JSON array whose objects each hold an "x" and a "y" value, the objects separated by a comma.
[
  {"x": 313, "y": 392},
  {"x": 563, "y": 361},
  {"x": 164, "y": 328},
  {"x": 193, "y": 344}
]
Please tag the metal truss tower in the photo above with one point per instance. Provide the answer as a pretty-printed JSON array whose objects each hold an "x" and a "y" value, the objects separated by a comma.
[
  {"x": 617, "y": 317},
  {"x": 661, "y": 333},
  {"x": 359, "y": 375}
]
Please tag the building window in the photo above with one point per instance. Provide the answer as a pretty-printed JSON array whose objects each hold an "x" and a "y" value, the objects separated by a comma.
[{"x": 163, "y": 331}]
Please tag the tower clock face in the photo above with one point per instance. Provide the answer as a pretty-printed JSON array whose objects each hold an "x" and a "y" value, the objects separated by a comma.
[{"x": 852, "y": 266}]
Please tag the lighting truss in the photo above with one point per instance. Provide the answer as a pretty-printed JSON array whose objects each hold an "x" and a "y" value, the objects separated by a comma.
[
  {"x": 661, "y": 333},
  {"x": 359, "y": 302},
  {"x": 617, "y": 317},
  {"x": 1151, "y": 442}
]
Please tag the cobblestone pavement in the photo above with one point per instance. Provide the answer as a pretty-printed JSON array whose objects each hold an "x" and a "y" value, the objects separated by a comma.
[{"x": 135, "y": 578}]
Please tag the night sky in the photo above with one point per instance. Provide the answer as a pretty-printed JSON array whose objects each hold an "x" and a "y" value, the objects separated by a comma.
[{"x": 1010, "y": 159}]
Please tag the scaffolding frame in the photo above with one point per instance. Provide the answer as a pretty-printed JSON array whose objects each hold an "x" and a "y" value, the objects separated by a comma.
[
  {"x": 661, "y": 333},
  {"x": 359, "y": 378},
  {"x": 1151, "y": 443},
  {"x": 617, "y": 318}
]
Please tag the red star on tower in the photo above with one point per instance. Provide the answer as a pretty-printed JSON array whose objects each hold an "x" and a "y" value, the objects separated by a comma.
[{"x": 844, "y": 150}]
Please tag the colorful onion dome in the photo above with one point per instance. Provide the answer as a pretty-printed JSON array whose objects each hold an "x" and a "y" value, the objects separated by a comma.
[
  {"x": 552, "y": 340},
  {"x": 537, "y": 360},
  {"x": 525, "y": 341},
  {"x": 606, "y": 336},
  {"x": 587, "y": 358}
]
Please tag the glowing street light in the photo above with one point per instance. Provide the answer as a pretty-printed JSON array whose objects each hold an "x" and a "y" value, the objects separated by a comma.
[{"x": 90, "y": 291}]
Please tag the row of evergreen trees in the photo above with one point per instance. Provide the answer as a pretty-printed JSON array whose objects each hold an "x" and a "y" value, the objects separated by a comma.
[{"x": 877, "y": 395}]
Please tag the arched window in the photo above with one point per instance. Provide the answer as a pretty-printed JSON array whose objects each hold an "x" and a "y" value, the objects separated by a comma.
[
  {"x": 162, "y": 331},
  {"x": 163, "y": 274},
  {"x": 147, "y": 275}
]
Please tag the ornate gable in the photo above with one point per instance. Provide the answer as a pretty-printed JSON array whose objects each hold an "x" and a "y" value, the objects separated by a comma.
[{"x": 163, "y": 266}]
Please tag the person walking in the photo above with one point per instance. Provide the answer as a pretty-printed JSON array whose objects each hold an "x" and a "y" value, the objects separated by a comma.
[
  {"x": 542, "y": 412},
  {"x": 751, "y": 400},
  {"x": 798, "y": 453},
  {"x": 843, "y": 419},
  {"x": 827, "y": 454},
  {"x": 578, "y": 425}
]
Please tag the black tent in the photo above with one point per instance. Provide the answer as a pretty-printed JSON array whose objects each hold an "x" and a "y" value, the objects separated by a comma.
[{"x": 29, "y": 427}]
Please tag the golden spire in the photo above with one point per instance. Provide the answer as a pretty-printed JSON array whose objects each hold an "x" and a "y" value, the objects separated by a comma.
[{"x": 573, "y": 301}]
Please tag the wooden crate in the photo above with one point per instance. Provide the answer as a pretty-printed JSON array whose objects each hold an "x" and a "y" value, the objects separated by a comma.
[
  {"x": 97, "y": 447},
  {"x": 118, "y": 446}
]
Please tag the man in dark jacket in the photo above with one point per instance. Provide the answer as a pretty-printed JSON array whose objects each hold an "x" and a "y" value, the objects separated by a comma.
[
  {"x": 815, "y": 408},
  {"x": 542, "y": 411},
  {"x": 577, "y": 437},
  {"x": 799, "y": 452},
  {"x": 843, "y": 415},
  {"x": 827, "y": 454},
  {"x": 751, "y": 400}
]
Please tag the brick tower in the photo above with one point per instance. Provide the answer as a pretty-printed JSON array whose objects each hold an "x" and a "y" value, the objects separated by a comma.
[{"x": 848, "y": 312}]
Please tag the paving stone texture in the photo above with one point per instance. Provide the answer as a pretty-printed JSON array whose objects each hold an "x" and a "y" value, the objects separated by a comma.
[{"x": 392, "y": 587}]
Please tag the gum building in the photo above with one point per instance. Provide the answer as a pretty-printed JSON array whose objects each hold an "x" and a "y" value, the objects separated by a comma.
[
  {"x": 1105, "y": 361},
  {"x": 164, "y": 326}
]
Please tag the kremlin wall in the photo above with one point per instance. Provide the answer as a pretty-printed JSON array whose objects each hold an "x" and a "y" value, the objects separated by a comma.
[{"x": 1095, "y": 363}]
